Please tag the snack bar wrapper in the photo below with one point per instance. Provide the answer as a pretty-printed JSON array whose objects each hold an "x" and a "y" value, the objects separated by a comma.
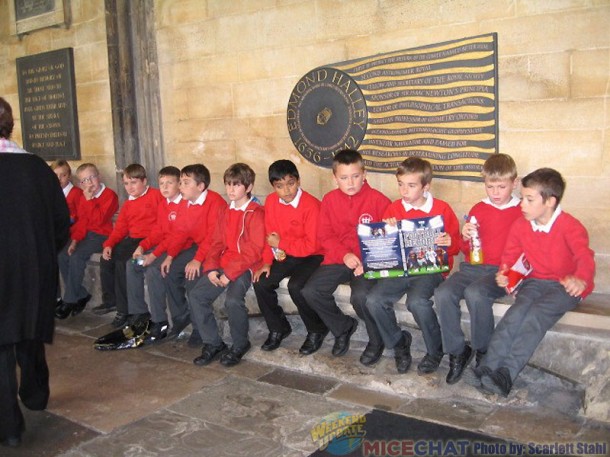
[{"x": 517, "y": 273}]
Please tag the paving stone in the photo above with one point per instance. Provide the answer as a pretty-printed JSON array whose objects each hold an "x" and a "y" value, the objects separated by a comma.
[
  {"x": 298, "y": 381},
  {"x": 350, "y": 393}
]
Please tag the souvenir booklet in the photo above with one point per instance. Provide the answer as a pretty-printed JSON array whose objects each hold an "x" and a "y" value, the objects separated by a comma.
[{"x": 406, "y": 249}]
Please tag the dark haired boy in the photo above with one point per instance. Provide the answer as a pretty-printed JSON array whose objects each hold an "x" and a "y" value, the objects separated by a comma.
[
  {"x": 149, "y": 255},
  {"x": 96, "y": 208},
  {"x": 476, "y": 283},
  {"x": 341, "y": 210},
  {"x": 189, "y": 244},
  {"x": 236, "y": 251},
  {"x": 414, "y": 176},
  {"x": 136, "y": 218},
  {"x": 291, "y": 221},
  {"x": 556, "y": 245}
]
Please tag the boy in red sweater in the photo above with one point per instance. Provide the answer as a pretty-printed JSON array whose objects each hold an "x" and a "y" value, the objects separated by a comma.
[
  {"x": 87, "y": 235},
  {"x": 72, "y": 193},
  {"x": 188, "y": 245},
  {"x": 342, "y": 209},
  {"x": 149, "y": 255},
  {"x": 236, "y": 251},
  {"x": 136, "y": 218},
  {"x": 291, "y": 222},
  {"x": 476, "y": 283},
  {"x": 414, "y": 176},
  {"x": 556, "y": 245}
]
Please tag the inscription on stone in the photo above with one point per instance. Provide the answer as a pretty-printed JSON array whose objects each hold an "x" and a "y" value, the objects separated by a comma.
[
  {"x": 438, "y": 102},
  {"x": 25, "y": 9},
  {"x": 47, "y": 99}
]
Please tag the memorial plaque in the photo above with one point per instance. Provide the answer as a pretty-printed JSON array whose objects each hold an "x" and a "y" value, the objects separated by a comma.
[
  {"x": 47, "y": 100},
  {"x": 29, "y": 15},
  {"x": 438, "y": 102}
]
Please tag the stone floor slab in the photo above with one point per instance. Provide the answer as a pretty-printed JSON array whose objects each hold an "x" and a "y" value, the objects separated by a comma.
[
  {"x": 379, "y": 400},
  {"x": 298, "y": 381},
  {"x": 105, "y": 390}
]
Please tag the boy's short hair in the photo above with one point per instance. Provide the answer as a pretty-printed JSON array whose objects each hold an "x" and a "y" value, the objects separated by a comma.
[
  {"x": 170, "y": 171},
  {"x": 347, "y": 157},
  {"x": 416, "y": 165},
  {"x": 6, "y": 119},
  {"x": 199, "y": 172},
  {"x": 82, "y": 167},
  {"x": 61, "y": 163},
  {"x": 499, "y": 166},
  {"x": 239, "y": 173},
  {"x": 548, "y": 181},
  {"x": 135, "y": 171},
  {"x": 279, "y": 169}
]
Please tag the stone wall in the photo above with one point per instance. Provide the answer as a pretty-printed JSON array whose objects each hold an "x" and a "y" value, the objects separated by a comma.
[{"x": 228, "y": 67}]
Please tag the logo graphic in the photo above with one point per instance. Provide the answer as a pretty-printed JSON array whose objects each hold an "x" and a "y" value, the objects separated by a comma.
[
  {"x": 339, "y": 433},
  {"x": 365, "y": 218}
]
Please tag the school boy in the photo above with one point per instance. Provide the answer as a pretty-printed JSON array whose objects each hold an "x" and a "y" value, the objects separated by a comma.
[
  {"x": 476, "y": 283},
  {"x": 342, "y": 209},
  {"x": 188, "y": 244},
  {"x": 149, "y": 255},
  {"x": 236, "y": 251},
  {"x": 556, "y": 246},
  {"x": 291, "y": 221},
  {"x": 72, "y": 193},
  {"x": 95, "y": 211},
  {"x": 414, "y": 176},
  {"x": 136, "y": 218}
]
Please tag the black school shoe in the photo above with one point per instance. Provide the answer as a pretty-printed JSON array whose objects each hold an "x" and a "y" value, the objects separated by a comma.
[
  {"x": 210, "y": 353},
  {"x": 158, "y": 332},
  {"x": 429, "y": 364},
  {"x": 497, "y": 382},
  {"x": 80, "y": 305},
  {"x": 341, "y": 345},
  {"x": 274, "y": 340},
  {"x": 313, "y": 342},
  {"x": 402, "y": 352},
  {"x": 63, "y": 309},
  {"x": 371, "y": 355},
  {"x": 458, "y": 363},
  {"x": 233, "y": 356}
]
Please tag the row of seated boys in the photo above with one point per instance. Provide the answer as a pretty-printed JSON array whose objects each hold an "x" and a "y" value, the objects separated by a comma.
[{"x": 191, "y": 247}]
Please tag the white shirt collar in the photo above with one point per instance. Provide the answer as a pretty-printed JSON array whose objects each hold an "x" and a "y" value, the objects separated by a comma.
[
  {"x": 68, "y": 188},
  {"x": 102, "y": 187},
  {"x": 546, "y": 228},
  {"x": 514, "y": 201},
  {"x": 295, "y": 202},
  {"x": 175, "y": 200},
  {"x": 242, "y": 207},
  {"x": 141, "y": 195},
  {"x": 426, "y": 207},
  {"x": 201, "y": 199}
]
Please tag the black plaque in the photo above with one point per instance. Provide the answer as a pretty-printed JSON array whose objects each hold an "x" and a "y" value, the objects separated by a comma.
[
  {"x": 438, "y": 102},
  {"x": 25, "y": 9},
  {"x": 47, "y": 99}
]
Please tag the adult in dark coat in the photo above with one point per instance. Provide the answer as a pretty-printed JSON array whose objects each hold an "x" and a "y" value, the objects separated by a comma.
[{"x": 34, "y": 224}]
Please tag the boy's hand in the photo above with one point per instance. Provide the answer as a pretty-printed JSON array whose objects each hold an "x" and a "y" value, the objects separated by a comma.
[
  {"x": 351, "y": 261},
  {"x": 391, "y": 221},
  {"x": 148, "y": 259},
  {"x": 359, "y": 270},
  {"x": 214, "y": 278},
  {"x": 192, "y": 269},
  {"x": 574, "y": 286},
  {"x": 107, "y": 253},
  {"x": 72, "y": 247},
  {"x": 166, "y": 265},
  {"x": 88, "y": 192},
  {"x": 137, "y": 253},
  {"x": 224, "y": 281},
  {"x": 467, "y": 229},
  {"x": 273, "y": 240},
  {"x": 443, "y": 239},
  {"x": 501, "y": 278},
  {"x": 264, "y": 270}
]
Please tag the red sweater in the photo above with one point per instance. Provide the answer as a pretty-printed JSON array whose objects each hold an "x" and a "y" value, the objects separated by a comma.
[
  {"x": 494, "y": 225},
  {"x": 340, "y": 215},
  {"x": 72, "y": 199},
  {"x": 160, "y": 235},
  {"x": 238, "y": 242},
  {"x": 136, "y": 218},
  {"x": 95, "y": 215},
  {"x": 439, "y": 207},
  {"x": 296, "y": 226},
  {"x": 196, "y": 224},
  {"x": 564, "y": 251}
]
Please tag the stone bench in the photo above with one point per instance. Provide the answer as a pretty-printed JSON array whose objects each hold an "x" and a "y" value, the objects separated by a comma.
[{"x": 577, "y": 348}]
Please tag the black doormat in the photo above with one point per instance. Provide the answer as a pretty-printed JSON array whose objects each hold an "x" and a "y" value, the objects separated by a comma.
[{"x": 380, "y": 433}]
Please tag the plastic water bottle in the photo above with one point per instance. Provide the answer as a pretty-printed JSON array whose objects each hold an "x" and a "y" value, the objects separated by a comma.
[{"x": 476, "y": 250}]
